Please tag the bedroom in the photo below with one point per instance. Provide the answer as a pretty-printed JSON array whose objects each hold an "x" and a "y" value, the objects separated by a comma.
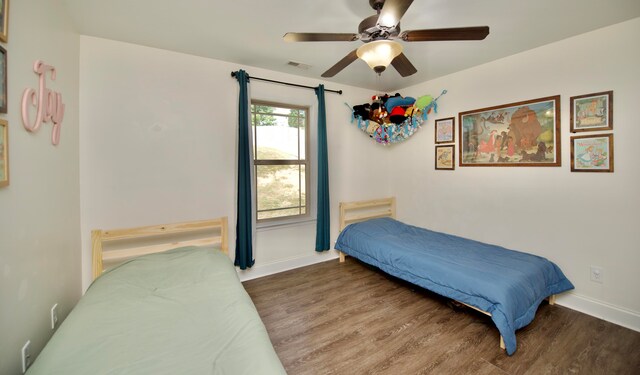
[{"x": 136, "y": 115}]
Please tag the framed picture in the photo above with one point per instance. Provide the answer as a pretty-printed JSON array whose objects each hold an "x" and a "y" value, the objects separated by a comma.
[
  {"x": 592, "y": 153},
  {"x": 4, "y": 153},
  {"x": 445, "y": 130},
  {"x": 445, "y": 157},
  {"x": 592, "y": 112},
  {"x": 525, "y": 133},
  {"x": 4, "y": 20},
  {"x": 3, "y": 80}
]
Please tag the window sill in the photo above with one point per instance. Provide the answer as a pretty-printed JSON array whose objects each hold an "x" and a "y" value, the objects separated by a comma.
[{"x": 283, "y": 224}]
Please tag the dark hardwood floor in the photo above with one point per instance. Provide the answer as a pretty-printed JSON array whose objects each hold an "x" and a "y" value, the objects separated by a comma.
[{"x": 349, "y": 318}]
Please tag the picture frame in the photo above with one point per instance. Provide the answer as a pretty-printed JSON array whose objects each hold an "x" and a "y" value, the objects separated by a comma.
[
  {"x": 445, "y": 130},
  {"x": 592, "y": 153},
  {"x": 4, "y": 153},
  {"x": 592, "y": 112},
  {"x": 3, "y": 80},
  {"x": 445, "y": 157},
  {"x": 4, "y": 20},
  {"x": 520, "y": 134}
]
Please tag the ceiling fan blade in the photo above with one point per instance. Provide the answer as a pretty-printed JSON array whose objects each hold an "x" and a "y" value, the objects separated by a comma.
[
  {"x": 403, "y": 65},
  {"x": 320, "y": 37},
  {"x": 455, "y": 33},
  {"x": 351, "y": 57},
  {"x": 392, "y": 11}
]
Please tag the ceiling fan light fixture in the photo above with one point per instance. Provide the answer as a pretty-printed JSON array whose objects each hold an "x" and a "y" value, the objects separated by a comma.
[{"x": 379, "y": 54}]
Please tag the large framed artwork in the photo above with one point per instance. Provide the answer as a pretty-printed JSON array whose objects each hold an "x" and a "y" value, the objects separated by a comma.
[
  {"x": 520, "y": 134},
  {"x": 592, "y": 112},
  {"x": 592, "y": 153},
  {"x": 4, "y": 20},
  {"x": 4, "y": 153}
]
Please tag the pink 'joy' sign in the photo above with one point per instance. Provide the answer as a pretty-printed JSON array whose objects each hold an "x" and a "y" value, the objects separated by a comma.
[{"x": 48, "y": 103}]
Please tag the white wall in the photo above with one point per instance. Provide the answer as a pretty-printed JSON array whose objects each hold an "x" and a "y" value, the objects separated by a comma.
[
  {"x": 158, "y": 145},
  {"x": 575, "y": 219},
  {"x": 39, "y": 210}
]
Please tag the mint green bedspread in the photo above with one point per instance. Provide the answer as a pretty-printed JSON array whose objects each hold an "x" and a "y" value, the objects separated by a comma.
[{"x": 179, "y": 312}]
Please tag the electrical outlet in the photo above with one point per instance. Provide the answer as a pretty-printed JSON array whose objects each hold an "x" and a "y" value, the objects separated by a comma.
[
  {"x": 597, "y": 274},
  {"x": 26, "y": 356},
  {"x": 54, "y": 316}
]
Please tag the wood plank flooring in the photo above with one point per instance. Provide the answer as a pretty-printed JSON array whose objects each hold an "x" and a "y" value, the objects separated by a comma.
[{"x": 349, "y": 318}]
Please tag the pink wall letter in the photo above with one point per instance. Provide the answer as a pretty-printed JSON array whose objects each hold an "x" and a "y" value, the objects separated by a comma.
[{"x": 48, "y": 103}]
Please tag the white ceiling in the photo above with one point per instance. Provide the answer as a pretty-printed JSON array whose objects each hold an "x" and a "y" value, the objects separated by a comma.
[{"x": 250, "y": 32}]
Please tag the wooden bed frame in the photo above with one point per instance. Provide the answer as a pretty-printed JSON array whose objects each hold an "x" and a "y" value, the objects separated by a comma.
[
  {"x": 353, "y": 212},
  {"x": 208, "y": 232}
]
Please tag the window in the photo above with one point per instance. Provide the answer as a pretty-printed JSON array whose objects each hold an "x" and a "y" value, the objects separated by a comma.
[{"x": 280, "y": 144}]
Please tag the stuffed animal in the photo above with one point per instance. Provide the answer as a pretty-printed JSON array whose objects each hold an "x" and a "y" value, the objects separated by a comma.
[{"x": 398, "y": 101}]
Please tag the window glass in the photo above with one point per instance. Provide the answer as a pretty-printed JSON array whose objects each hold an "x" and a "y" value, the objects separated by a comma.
[{"x": 280, "y": 137}]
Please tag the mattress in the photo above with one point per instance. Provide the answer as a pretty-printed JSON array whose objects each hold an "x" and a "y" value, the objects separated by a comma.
[
  {"x": 510, "y": 285},
  {"x": 179, "y": 312}
]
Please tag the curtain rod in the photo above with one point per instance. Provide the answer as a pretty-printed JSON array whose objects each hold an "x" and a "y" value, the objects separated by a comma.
[{"x": 233, "y": 74}]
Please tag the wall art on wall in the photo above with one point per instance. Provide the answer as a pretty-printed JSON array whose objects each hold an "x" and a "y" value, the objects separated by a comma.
[
  {"x": 524, "y": 133},
  {"x": 3, "y": 80},
  {"x": 592, "y": 112},
  {"x": 4, "y": 20},
  {"x": 445, "y": 130},
  {"x": 445, "y": 157},
  {"x": 592, "y": 153},
  {"x": 4, "y": 153}
]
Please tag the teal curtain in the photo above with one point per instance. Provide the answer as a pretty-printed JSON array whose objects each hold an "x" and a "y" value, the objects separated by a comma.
[
  {"x": 323, "y": 240},
  {"x": 244, "y": 224}
]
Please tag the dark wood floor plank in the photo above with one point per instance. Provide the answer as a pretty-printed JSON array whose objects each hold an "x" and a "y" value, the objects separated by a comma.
[{"x": 349, "y": 318}]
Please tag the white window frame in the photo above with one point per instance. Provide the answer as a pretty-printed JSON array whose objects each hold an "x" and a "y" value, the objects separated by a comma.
[{"x": 289, "y": 219}]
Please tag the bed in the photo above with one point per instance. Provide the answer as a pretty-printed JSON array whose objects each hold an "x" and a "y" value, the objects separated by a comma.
[
  {"x": 504, "y": 284},
  {"x": 174, "y": 307}
]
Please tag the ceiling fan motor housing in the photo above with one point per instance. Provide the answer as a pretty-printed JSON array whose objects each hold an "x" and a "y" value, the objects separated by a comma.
[{"x": 370, "y": 30}]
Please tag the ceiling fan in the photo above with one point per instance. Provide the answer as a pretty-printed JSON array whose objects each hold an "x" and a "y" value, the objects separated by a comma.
[{"x": 379, "y": 32}]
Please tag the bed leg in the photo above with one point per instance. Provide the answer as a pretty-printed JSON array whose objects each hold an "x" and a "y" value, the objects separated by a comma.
[
  {"x": 342, "y": 256},
  {"x": 552, "y": 299},
  {"x": 502, "y": 345}
]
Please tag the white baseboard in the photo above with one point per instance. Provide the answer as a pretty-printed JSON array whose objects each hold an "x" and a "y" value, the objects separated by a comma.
[
  {"x": 600, "y": 309},
  {"x": 261, "y": 270}
]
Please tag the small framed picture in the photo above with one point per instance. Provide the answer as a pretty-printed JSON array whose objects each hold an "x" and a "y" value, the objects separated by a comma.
[
  {"x": 4, "y": 20},
  {"x": 592, "y": 112},
  {"x": 4, "y": 153},
  {"x": 445, "y": 130},
  {"x": 3, "y": 80},
  {"x": 592, "y": 153},
  {"x": 445, "y": 157}
]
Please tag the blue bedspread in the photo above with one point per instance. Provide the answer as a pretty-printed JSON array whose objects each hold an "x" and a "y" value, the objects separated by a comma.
[{"x": 508, "y": 284}]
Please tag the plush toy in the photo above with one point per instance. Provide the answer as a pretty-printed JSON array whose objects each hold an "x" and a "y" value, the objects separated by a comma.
[
  {"x": 399, "y": 101},
  {"x": 397, "y": 115},
  {"x": 423, "y": 101},
  {"x": 362, "y": 110}
]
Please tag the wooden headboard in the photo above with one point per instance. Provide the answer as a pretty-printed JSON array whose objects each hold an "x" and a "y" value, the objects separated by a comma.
[
  {"x": 353, "y": 212},
  {"x": 164, "y": 238}
]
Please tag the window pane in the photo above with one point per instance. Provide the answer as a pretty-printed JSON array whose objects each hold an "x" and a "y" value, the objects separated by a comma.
[
  {"x": 276, "y": 132},
  {"x": 302, "y": 139},
  {"x": 276, "y": 143},
  {"x": 280, "y": 187}
]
